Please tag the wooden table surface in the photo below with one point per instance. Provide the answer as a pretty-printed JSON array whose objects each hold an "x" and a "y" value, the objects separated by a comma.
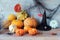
[{"x": 44, "y": 35}]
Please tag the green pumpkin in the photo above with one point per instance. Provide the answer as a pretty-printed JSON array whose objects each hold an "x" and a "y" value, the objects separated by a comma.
[{"x": 22, "y": 15}]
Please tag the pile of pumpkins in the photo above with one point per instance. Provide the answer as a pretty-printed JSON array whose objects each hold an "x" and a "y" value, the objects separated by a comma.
[{"x": 20, "y": 23}]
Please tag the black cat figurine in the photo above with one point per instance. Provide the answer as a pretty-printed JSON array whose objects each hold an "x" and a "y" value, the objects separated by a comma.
[{"x": 43, "y": 25}]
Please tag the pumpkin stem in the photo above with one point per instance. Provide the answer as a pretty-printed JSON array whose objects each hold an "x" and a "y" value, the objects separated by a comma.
[{"x": 22, "y": 11}]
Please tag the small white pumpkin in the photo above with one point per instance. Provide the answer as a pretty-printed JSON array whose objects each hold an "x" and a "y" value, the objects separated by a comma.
[
  {"x": 12, "y": 28},
  {"x": 53, "y": 23}
]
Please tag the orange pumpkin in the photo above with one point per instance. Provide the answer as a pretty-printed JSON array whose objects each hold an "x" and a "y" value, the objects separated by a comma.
[
  {"x": 17, "y": 32},
  {"x": 20, "y": 32},
  {"x": 33, "y": 31},
  {"x": 18, "y": 23},
  {"x": 30, "y": 22},
  {"x": 11, "y": 17},
  {"x": 27, "y": 28}
]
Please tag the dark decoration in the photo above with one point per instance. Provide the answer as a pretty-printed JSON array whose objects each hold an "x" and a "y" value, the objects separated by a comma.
[{"x": 43, "y": 26}]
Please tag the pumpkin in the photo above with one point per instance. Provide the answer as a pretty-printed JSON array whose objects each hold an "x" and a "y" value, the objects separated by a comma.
[
  {"x": 27, "y": 28},
  {"x": 33, "y": 31},
  {"x": 11, "y": 17},
  {"x": 22, "y": 15},
  {"x": 12, "y": 28},
  {"x": 20, "y": 32},
  {"x": 18, "y": 23},
  {"x": 30, "y": 22},
  {"x": 6, "y": 23}
]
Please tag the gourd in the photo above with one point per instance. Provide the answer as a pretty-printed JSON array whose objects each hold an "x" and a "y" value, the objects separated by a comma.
[
  {"x": 30, "y": 22},
  {"x": 18, "y": 23}
]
